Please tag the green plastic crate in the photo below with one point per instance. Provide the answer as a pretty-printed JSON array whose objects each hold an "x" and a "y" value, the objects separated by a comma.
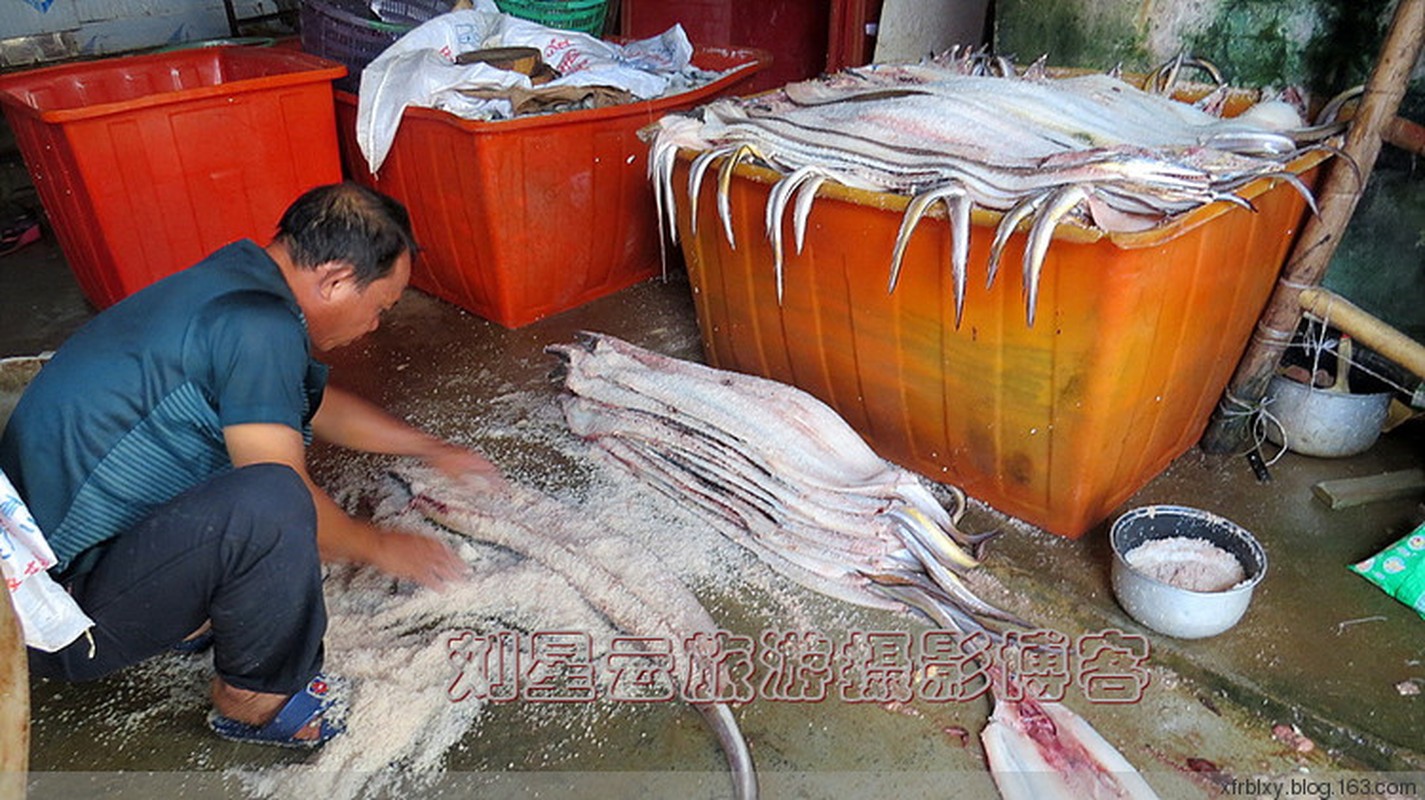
[{"x": 586, "y": 16}]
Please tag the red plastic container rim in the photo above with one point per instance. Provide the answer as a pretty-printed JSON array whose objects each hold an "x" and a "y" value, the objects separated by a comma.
[{"x": 307, "y": 68}]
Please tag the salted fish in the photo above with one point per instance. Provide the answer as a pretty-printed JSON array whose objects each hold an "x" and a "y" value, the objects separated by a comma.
[
  {"x": 1044, "y": 751},
  {"x": 806, "y": 439},
  {"x": 797, "y": 548},
  {"x": 825, "y": 578},
  {"x": 1034, "y": 750},
  {"x": 780, "y": 471},
  {"x": 845, "y": 514},
  {"x": 649, "y": 605},
  {"x": 1113, "y": 156}
]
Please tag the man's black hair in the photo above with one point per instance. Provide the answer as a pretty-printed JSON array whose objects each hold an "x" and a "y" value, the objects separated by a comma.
[{"x": 349, "y": 224}]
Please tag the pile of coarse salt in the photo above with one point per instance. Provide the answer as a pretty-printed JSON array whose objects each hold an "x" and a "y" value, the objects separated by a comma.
[
  {"x": 390, "y": 641},
  {"x": 1187, "y": 563}
]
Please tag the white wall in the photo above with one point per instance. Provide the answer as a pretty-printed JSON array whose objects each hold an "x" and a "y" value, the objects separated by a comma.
[{"x": 912, "y": 29}]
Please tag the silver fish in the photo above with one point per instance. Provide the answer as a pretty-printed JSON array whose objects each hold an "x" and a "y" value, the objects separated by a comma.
[
  {"x": 1010, "y": 144},
  {"x": 664, "y": 608},
  {"x": 777, "y": 470}
]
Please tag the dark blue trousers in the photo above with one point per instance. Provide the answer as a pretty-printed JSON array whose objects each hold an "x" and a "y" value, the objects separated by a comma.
[{"x": 239, "y": 550}]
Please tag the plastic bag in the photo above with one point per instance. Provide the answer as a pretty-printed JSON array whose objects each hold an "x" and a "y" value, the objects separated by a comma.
[
  {"x": 1399, "y": 570},
  {"x": 419, "y": 69},
  {"x": 48, "y": 616}
]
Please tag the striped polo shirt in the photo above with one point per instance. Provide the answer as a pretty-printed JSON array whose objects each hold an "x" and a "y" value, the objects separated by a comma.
[{"x": 130, "y": 411}]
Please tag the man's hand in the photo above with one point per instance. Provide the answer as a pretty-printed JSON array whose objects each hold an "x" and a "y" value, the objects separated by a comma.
[
  {"x": 462, "y": 464},
  {"x": 340, "y": 537},
  {"x": 419, "y": 558},
  {"x": 348, "y": 421}
]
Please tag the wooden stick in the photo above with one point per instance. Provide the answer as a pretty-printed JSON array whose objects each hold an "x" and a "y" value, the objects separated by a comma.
[
  {"x": 1342, "y": 314},
  {"x": 1348, "y": 492},
  {"x": 1408, "y": 136},
  {"x": 1340, "y": 193}
]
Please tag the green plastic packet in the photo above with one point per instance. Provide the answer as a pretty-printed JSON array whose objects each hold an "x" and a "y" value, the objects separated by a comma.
[{"x": 1399, "y": 570}]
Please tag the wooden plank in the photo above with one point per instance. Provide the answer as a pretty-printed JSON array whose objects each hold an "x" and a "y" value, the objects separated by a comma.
[
  {"x": 1348, "y": 492},
  {"x": 14, "y": 704}
]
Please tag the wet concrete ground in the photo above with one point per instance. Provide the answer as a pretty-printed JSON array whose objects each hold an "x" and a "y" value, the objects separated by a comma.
[{"x": 1319, "y": 649}]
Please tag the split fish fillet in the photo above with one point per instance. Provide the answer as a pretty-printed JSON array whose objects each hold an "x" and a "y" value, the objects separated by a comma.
[{"x": 563, "y": 541}]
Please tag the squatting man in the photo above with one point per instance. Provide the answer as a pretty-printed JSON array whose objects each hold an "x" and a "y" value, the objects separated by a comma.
[{"x": 163, "y": 453}]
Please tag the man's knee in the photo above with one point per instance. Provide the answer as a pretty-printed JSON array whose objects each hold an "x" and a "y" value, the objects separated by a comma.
[
  {"x": 271, "y": 512},
  {"x": 275, "y": 485},
  {"x": 276, "y": 492}
]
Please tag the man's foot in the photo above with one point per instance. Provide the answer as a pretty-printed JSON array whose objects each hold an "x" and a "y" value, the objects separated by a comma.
[
  {"x": 302, "y": 720},
  {"x": 197, "y": 642}
]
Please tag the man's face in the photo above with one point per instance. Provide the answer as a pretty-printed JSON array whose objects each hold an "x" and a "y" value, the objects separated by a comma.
[{"x": 349, "y": 312}]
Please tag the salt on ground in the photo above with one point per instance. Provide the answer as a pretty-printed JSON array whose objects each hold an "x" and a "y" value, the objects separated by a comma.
[
  {"x": 1187, "y": 563},
  {"x": 389, "y": 640}
]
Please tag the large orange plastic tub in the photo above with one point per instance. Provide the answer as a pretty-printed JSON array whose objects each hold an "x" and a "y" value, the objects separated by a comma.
[
  {"x": 524, "y": 218},
  {"x": 1135, "y": 339},
  {"x": 146, "y": 164}
]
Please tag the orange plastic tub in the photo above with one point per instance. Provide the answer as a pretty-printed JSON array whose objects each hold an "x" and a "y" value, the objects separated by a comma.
[
  {"x": 1135, "y": 339},
  {"x": 146, "y": 164},
  {"x": 524, "y": 218}
]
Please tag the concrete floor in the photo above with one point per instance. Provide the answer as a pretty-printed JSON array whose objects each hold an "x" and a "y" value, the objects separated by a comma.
[{"x": 1319, "y": 649}]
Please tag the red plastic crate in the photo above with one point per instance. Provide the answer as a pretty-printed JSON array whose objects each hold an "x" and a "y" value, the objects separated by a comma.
[
  {"x": 524, "y": 218},
  {"x": 794, "y": 32},
  {"x": 145, "y": 164}
]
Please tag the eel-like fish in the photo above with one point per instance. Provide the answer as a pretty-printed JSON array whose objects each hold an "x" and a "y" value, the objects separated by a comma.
[
  {"x": 651, "y": 605},
  {"x": 1090, "y": 148},
  {"x": 748, "y": 453},
  {"x": 804, "y": 441},
  {"x": 775, "y": 470}
]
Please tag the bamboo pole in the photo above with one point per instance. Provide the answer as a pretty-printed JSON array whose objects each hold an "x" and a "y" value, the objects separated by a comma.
[
  {"x": 1406, "y": 135},
  {"x": 1365, "y": 329},
  {"x": 1340, "y": 193}
]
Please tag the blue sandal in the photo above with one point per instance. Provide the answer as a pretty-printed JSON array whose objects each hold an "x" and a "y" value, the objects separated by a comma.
[
  {"x": 196, "y": 646},
  {"x": 316, "y": 700}
]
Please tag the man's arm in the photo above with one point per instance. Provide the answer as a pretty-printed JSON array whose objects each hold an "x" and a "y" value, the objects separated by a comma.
[
  {"x": 341, "y": 537},
  {"x": 348, "y": 421}
]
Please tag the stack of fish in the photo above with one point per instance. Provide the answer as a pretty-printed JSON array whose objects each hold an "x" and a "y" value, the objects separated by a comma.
[
  {"x": 779, "y": 472},
  {"x": 1091, "y": 147}
]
